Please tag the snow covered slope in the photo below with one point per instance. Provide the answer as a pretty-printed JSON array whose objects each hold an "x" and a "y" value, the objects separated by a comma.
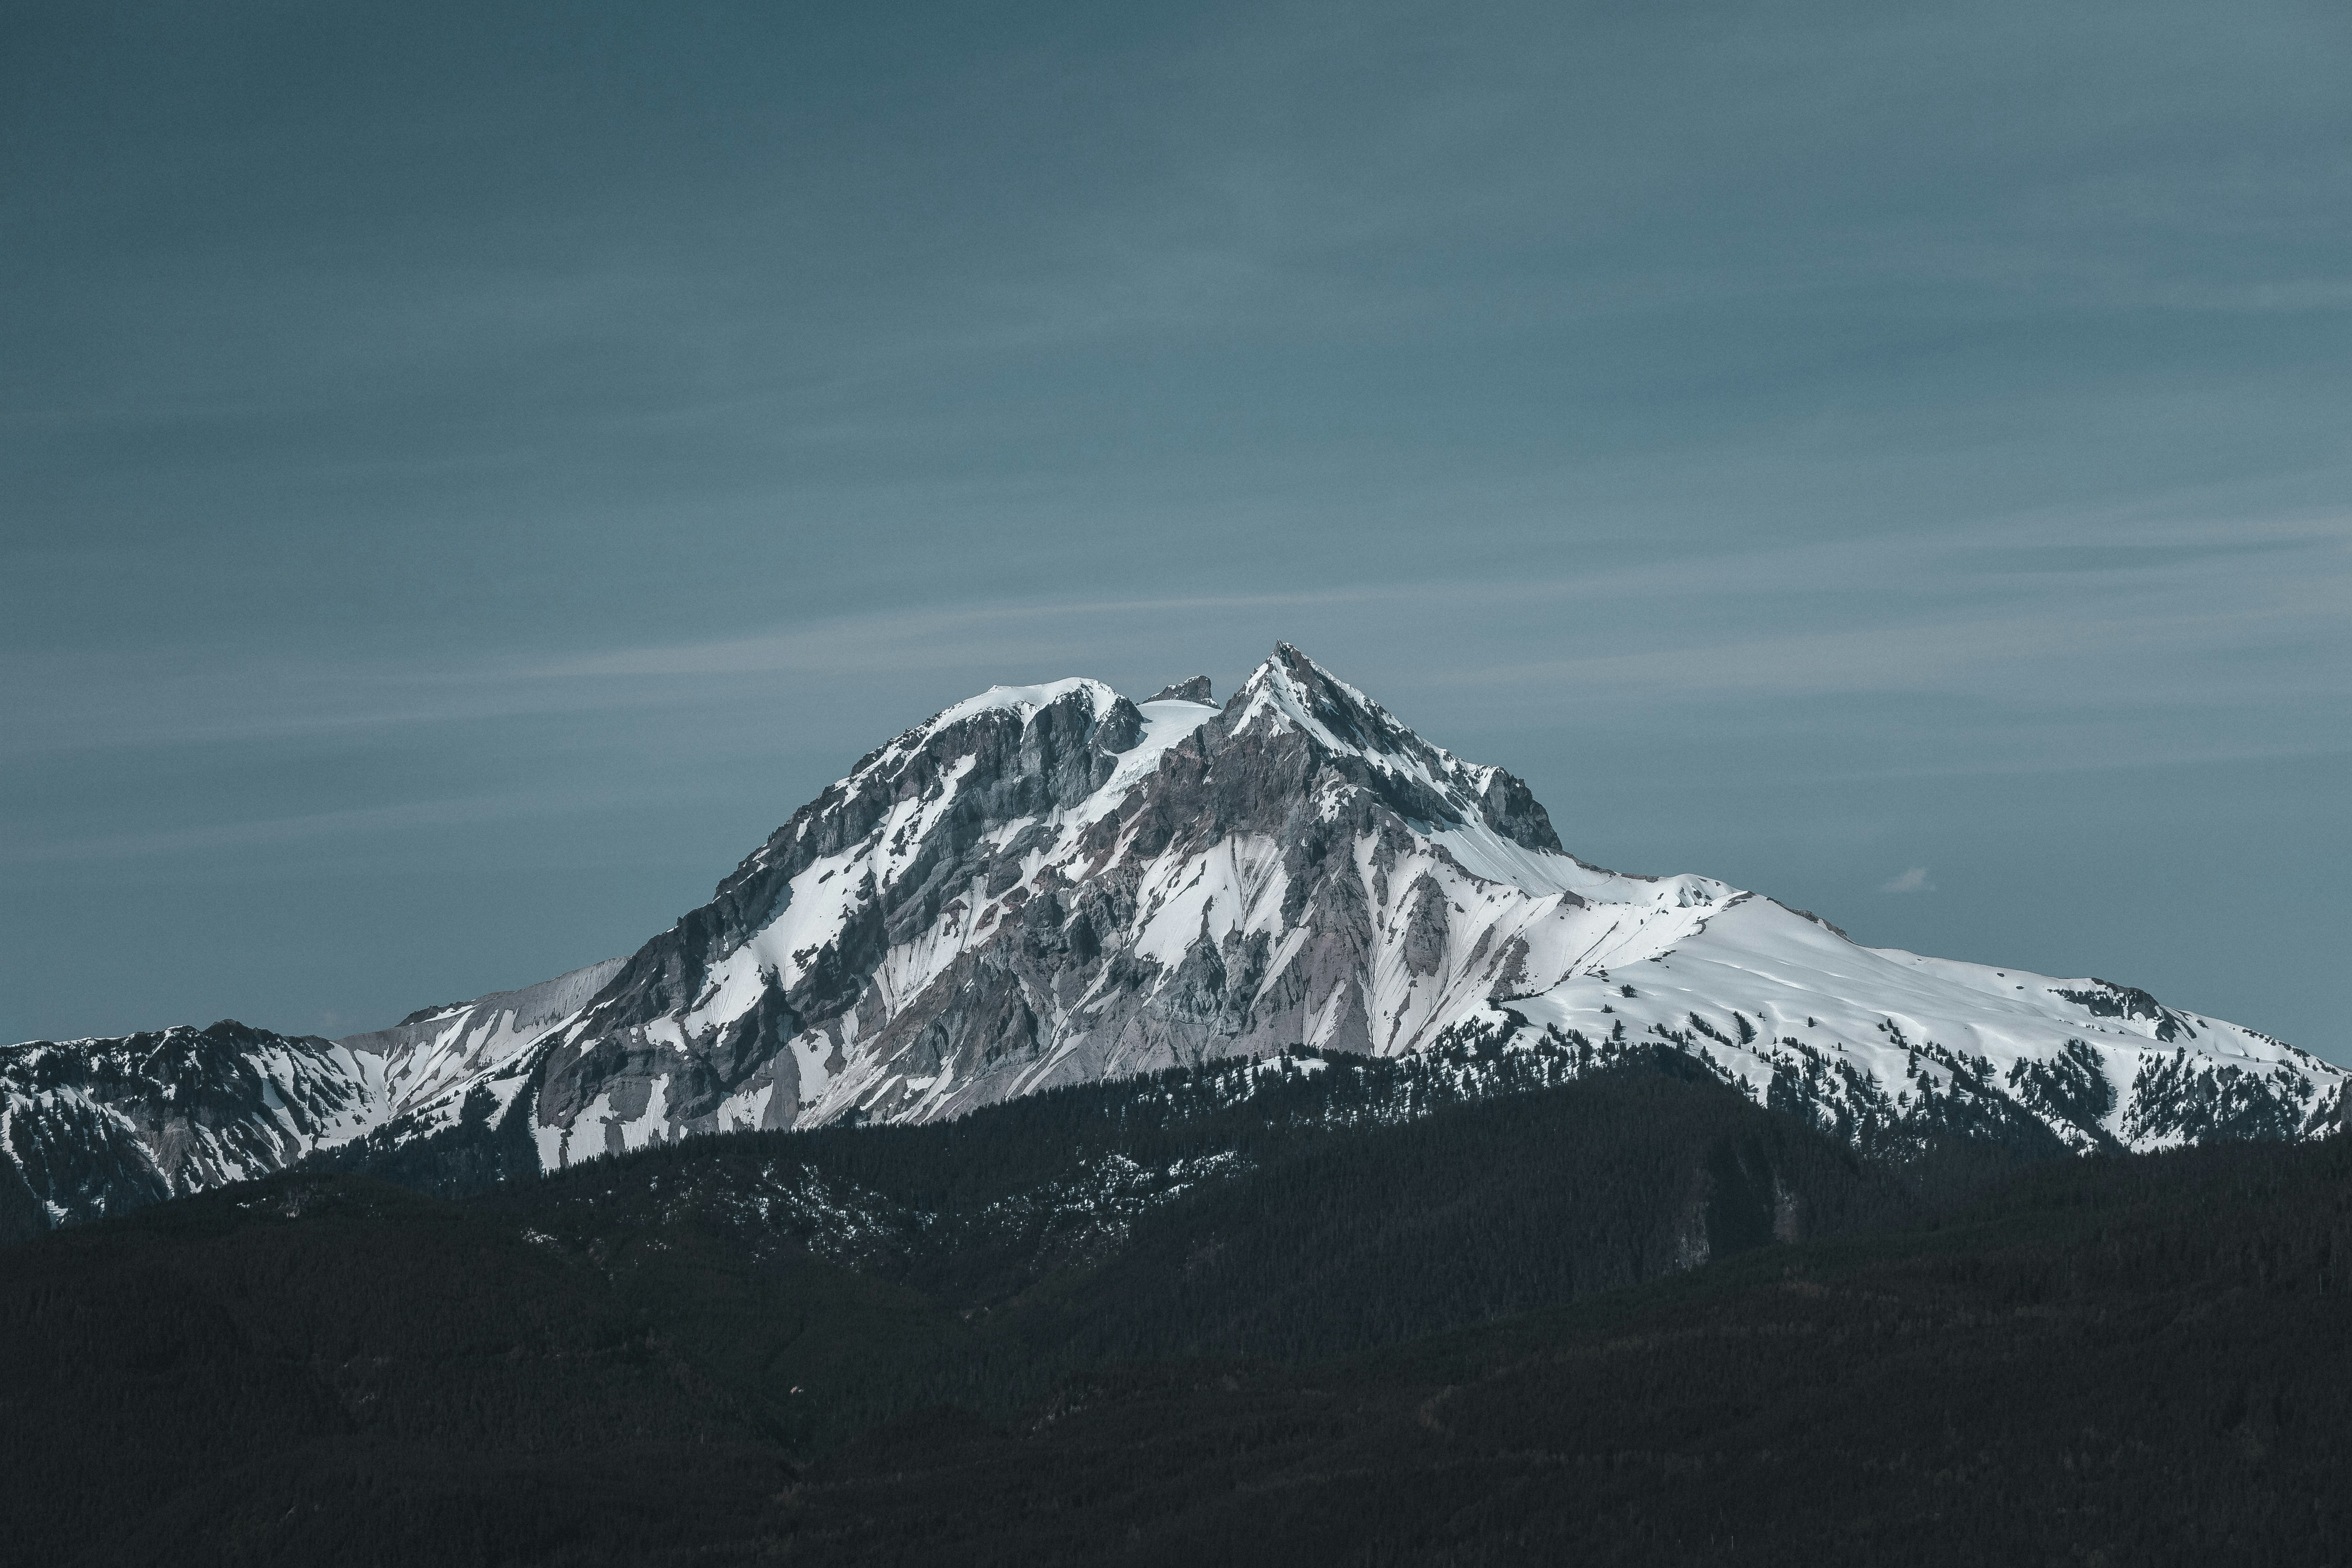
[
  {"x": 1052, "y": 884},
  {"x": 431, "y": 1059}
]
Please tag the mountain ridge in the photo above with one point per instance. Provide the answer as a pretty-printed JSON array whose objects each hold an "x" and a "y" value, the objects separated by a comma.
[{"x": 1054, "y": 884}]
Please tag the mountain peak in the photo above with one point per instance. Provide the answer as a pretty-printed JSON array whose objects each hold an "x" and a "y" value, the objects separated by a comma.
[
  {"x": 1421, "y": 781},
  {"x": 1195, "y": 689},
  {"x": 1292, "y": 692}
]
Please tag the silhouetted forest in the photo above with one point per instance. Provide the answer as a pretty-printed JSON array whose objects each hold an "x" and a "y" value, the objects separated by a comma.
[{"x": 1636, "y": 1318}]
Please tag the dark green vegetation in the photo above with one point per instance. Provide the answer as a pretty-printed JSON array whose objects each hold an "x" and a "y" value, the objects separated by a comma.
[{"x": 1172, "y": 1322}]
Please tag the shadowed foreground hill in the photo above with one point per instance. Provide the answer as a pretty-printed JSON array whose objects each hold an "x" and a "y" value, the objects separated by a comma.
[
  {"x": 915, "y": 1345},
  {"x": 2138, "y": 1359},
  {"x": 345, "y": 1374}
]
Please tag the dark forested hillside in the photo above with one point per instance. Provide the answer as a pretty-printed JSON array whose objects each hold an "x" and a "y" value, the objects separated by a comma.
[
  {"x": 2140, "y": 1360},
  {"x": 345, "y": 1372},
  {"x": 1635, "y": 1318}
]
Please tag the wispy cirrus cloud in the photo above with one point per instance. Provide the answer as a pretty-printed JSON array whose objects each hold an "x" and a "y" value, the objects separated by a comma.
[{"x": 2126, "y": 619}]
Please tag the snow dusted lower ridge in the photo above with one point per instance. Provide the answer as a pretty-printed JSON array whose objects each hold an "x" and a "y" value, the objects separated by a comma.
[
  {"x": 94, "y": 1127},
  {"x": 1052, "y": 884}
]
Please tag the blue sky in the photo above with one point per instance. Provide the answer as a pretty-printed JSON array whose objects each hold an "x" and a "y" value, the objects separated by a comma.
[{"x": 467, "y": 473}]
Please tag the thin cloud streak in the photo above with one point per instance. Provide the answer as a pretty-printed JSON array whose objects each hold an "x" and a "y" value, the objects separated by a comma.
[
  {"x": 326, "y": 824},
  {"x": 2195, "y": 602}
]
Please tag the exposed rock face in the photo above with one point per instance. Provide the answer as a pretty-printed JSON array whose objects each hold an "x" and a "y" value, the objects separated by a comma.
[{"x": 1048, "y": 885}]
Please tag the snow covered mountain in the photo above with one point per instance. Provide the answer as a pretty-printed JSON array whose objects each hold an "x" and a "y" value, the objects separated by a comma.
[{"x": 1053, "y": 884}]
